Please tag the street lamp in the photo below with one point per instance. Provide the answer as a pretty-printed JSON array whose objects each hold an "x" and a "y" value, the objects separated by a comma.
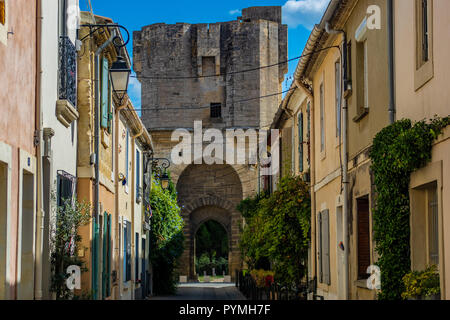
[
  {"x": 165, "y": 181},
  {"x": 165, "y": 164},
  {"x": 120, "y": 76}
]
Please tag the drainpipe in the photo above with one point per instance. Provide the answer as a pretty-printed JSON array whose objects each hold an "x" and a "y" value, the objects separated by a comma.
[
  {"x": 390, "y": 17},
  {"x": 345, "y": 157},
  {"x": 97, "y": 131},
  {"x": 39, "y": 193}
]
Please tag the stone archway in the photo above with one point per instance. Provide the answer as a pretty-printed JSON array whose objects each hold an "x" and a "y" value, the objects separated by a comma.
[
  {"x": 209, "y": 192},
  {"x": 203, "y": 215}
]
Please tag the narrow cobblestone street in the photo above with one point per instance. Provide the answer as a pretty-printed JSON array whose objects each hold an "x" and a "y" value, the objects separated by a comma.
[{"x": 205, "y": 291}]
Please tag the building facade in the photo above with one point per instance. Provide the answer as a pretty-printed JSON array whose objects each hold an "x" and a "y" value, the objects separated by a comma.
[
  {"x": 18, "y": 148},
  {"x": 421, "y": 68}
]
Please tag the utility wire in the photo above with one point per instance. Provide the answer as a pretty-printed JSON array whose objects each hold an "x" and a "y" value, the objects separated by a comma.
[
  {"x": 207, "y": 107},
  {"x": 232, "y": 72}
]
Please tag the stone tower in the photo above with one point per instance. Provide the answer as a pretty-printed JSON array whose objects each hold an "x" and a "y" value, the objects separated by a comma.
[{"x": 193, "y": 72}]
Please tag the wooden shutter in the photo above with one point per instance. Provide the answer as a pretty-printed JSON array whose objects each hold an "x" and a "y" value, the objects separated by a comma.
[
  {"x": 363, "y": 238},
  {"x": 105, "y": 94},
  {"x": 326, "y": 247},
  {"x": 300, "y": 142},
  {"x": 319, "y": 246}
]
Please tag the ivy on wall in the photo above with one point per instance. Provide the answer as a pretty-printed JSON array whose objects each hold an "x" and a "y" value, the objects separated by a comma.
[
  {"x": 278, "y": 230},
  {"x": 166, "y": 237},
  {"x": 397, "y": 151}
]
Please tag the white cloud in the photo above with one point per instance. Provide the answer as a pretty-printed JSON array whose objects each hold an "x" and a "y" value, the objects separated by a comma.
[
  {"x": 234, "y": 12},
  {"x": 303, "y": 12}
]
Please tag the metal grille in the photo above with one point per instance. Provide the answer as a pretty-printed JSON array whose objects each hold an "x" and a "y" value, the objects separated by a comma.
[
  {"x": 67, "y": 75},
  {"x": 216, "y": 110}
]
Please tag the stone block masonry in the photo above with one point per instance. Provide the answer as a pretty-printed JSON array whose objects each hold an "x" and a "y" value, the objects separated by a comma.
[{"x": 177, "y": 66}]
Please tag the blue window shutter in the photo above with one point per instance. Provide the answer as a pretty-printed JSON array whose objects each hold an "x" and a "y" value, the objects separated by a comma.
[
  {"x": 105, "y": 94},
  {"x": 300, "y": 141},
  {"x": 138, "y": 171}
]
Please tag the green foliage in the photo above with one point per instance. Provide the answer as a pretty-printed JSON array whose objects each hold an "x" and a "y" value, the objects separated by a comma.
[
  {"x": 421, "y": 283},
  {"x": 65, "y": 242},
  {"x": 278, "y": 229},
  {"x": 166, "y": 237},
  {"x": 397, "y": 151},
  {"x": 211, "y": 239}
]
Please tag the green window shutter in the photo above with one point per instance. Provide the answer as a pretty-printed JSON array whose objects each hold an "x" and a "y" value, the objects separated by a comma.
[
  {"x": 300, "y": 142},
  {"x": 105, "y": 94},
  {"x": 319, "y": 246},
  {"x": 326, "y": 247}
]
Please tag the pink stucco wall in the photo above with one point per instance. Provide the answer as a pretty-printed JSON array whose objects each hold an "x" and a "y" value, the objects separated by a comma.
[{"x": 17, "y": 100}]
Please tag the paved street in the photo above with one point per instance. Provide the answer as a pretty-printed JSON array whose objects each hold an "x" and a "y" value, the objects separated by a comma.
[{"x": 205, "y": 291}]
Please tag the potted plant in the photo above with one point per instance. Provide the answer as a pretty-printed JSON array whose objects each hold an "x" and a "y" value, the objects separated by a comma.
[{"x": 422, "y": 285}]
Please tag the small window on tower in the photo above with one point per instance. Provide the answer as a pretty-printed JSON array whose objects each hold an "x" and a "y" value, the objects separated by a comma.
[
  {"x": 216, "y": 110},
  {"x": 208, "y": 66}
]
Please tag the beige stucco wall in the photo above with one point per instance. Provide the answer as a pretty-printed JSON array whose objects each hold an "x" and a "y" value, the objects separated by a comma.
[
  {"x": 434, "y": 97},
  {"x": 431, "y": 99}
]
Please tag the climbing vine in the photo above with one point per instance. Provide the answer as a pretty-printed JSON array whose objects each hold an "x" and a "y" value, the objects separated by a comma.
[
  {"x": 166, "y": 237},
  {"x": 397, "y": 151},
  {"x": 278, "y": 229}
]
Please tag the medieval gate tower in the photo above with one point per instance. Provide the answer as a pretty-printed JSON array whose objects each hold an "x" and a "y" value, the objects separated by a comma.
[{"x": 191, "y": 72}]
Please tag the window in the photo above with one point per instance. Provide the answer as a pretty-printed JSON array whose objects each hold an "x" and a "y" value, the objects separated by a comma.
[
  {"x": 216, "y": 110},
  {"x": 322, "y": 119},
  {"x": 136, "y": 257},
  {"x": 2, "y": 12},
  {"x": 308, "y": 112},
  {"x": 337, "y": 68},
  {"x": 300, "y": 142},
  {"x": 208, "y": 66},
  {"x": 363, "y": 236},
  {"x": 424, "y": 35},
  {"x": 362, "y": 77},
  {"x": 433, "y": 226},
  {"x": 324, "y": 247},
  {"x": 127, "y": 251},
  {"x": 424, "y": 42},
  {"x": 138, "y": 174},
  {"x": 65, "y": 189},
  {"x": 105, "y": 91}
]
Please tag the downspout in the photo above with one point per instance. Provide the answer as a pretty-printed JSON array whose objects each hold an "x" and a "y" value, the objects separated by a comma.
[
  {"x": 40, "y": 214},
  {"x": 345, "y": 181},
  {"x": 97, "y": 133},
  {"x": 390, "y": 17}
]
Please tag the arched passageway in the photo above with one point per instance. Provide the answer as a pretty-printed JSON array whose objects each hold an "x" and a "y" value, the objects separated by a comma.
[
  {"x": 209, "y": 192},
  {"x": 211, "y": 243}
]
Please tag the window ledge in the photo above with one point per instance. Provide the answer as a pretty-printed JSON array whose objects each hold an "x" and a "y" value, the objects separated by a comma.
[
  {"x": 422, "y": 75},
  {"x": 66, "y": 113},
  {"x": 361, "y": 283},
  {"x": 364, "y": 112}
]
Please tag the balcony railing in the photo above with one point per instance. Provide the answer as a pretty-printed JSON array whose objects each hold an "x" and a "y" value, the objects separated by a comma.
[{"x": 67, "y": 74}]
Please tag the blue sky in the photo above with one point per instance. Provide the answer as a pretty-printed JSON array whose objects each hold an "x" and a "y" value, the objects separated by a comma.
[{"x": 299, "y": 15}]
